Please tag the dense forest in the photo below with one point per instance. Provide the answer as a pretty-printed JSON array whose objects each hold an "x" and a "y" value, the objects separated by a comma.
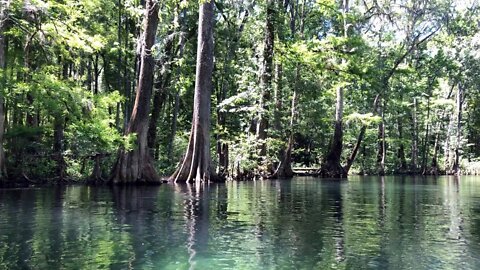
[{"x": 142, "y": 90}]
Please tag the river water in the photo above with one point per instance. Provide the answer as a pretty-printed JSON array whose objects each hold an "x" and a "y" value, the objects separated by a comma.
[{"x": 301, "y": 223}]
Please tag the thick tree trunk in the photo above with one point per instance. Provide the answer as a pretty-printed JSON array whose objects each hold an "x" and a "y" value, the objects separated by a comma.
[
  {"x": 196, "y": 165},
  {"x": 4, "y": 6},
  {"x": 266, "y": 80},
  {"x": 331, "y": 166},
  {"x": 136, "y": 166}
]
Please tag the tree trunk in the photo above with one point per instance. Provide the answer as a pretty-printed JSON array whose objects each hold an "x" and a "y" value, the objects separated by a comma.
[
  {"x": 381, "y": 140},
  {"x": 447, "y": 149},
  {"x": 4, "y": 5},
  {"x": 136, "y": 166},
  {"x": 176, "y": 109},
  {"x": 160, "y": 94},
  {"x": 284, "y": 169},
  {"x": 361, "y": 136},
  {"x": 354, "y": 153},
  {"x": 456, "y": 162},
  {"x": 331, "y": 166},
  {"x": 277, "y": 115},
  {"x": 414, "y": 136},
  {"x": 427, "y": 140},
  {"x": 434, "y": 170},
  {"x": 96, "y": 175},
  {"x": 96, "y": 74},
  {"x": 196, "y": 165},
  {"x": 58, "y": 137},
  {"x": 266, "y": 80},
  {"x": 158, "y": 101},
  {"x": 401, "y": 148}
]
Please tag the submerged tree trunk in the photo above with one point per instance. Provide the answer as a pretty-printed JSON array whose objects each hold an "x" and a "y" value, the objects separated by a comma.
[
  {"x": 196, "y": 164},
  {"x": 4, "y": 6},
  {"x": 136, "y": 166}
]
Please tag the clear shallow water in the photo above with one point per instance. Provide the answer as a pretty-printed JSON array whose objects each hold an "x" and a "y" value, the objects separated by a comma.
[{"x": 304, "y": 223}]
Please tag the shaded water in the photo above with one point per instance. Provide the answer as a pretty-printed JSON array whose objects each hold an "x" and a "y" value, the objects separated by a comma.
[{"x": 304, "y": 223}]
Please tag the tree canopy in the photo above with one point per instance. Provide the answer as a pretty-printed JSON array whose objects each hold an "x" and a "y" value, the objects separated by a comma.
[{"x": 339, "y": 86}]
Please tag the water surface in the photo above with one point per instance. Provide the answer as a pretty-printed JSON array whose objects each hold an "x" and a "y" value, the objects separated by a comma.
[{"x": 303, "y": 223}]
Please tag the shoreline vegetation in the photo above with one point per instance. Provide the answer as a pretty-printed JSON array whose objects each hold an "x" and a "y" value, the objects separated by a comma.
[
  {"x": 209, "y": 91},
  {"x": 26, "y": 182}
]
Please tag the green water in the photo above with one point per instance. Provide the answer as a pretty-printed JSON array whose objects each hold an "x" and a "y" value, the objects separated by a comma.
[{"x": 304, "y": 223}]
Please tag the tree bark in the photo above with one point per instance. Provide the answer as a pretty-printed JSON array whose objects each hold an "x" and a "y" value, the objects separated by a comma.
[
  {"x": 136, "y": 166},
  {"x": 266, "y": 80},
  {"x": 331, "y": 166},
  {"x": 414, "y": 137},
  {"x": 173, "y": 131},
  {"x": 158, "y": 102},
  {"x": 4, "y": 6},
  {"x": 361, "y": 136},
  {"x": 381, "y": 141},
  {"x": 427, "y": 140},
  {"x": 284, "y": 168},
  {"x": 447, "y": 149},
  {"x": 160, "y": 92},
  {"x": 401, "y": 148},
  {"x": 354, "y": 153},
  {"x": 58, "y": 137},
  {"x": 196, "y": 165},
  {"x": 455, "y": 170},
  {"x": 277, "y": 114}
]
